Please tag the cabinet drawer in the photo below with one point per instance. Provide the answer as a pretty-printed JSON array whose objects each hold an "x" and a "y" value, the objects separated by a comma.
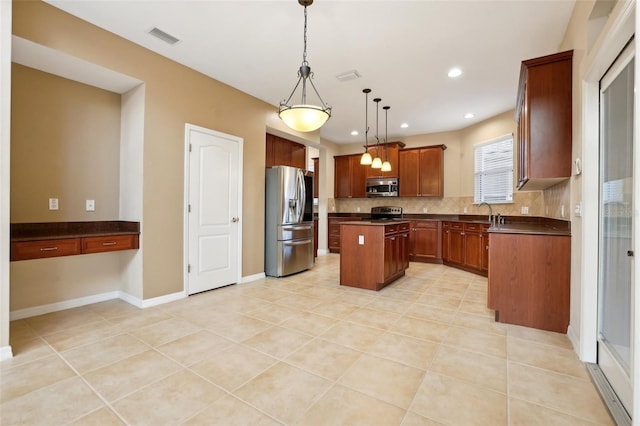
[
  {"x": 109, "y": 243},
  {"x": 334, "y": 242},
  {"x": 429, "y": 224},
  {"x": 390, "y": 229},
  {"x": 334, "y": 229},
  {"x": 404, "y": 227},
  {"x": 44, "y": 248},
  {"x": 475, "y": 227},
  {"x": 456, "y": 225}
]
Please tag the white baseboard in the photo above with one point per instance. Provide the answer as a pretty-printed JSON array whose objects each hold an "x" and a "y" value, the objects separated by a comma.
[
  {"x": 575, "y": 341},
  {"x": 323, "y": 252},
  {"x": 5, "y": 353},
  {"x": 74, "y": 303},
  {"x": 254, "y": 277},
  {"x": 60, "y": 306}
]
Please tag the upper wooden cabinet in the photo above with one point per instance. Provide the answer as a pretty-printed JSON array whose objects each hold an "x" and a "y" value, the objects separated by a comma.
[
  {"x": 283, "y": 152},
  {"x": 421, "y": 171},
  {"x": 350, "y": 177},
  {"x": 543, "y": 113},
  {"x": 391, "y": 152}
]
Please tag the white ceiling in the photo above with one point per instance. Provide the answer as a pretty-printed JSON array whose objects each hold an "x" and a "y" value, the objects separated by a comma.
[{"x": 402, "y": 50}]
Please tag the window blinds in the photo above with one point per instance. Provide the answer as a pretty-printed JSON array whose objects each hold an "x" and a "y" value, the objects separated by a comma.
[{"x": 494, "y": 171}]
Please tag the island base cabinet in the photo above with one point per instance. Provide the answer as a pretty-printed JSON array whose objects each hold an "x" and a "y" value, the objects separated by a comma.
[
  {"x": 372, "y": 257},
  {"x": 529, "y": 280}
]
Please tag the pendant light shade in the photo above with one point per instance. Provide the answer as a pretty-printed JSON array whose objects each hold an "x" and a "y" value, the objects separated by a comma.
[
  {"x": 304, "y": 117},
  {"x": 386, "y": 165},
  {"x": 377, "y": 161},
  {"x": 366, "y": 159}
]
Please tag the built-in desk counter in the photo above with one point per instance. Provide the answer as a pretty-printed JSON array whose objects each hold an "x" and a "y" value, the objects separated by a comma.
[{"x": 54, "y": 239}]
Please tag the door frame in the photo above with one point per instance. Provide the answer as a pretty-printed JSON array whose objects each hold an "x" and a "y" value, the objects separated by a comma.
[
  {"x": 185, "y": 207},
  {"x": 617, "y": 32}
]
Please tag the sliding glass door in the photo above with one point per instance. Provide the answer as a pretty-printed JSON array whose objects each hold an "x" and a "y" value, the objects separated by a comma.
[{"x": 616, "y": 245}]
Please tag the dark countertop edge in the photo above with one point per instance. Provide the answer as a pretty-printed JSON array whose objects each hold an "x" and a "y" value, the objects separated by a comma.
[
  {"x": 530, "y": 229},
  {"x": 61, "y": 230},
  {"x": 375, "y": 222},
  {"x": 513, "y": 224}
]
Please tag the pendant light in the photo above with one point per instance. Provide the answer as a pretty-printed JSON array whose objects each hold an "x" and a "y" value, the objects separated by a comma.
[
  {"x": 386, "y": 166},
  {"x": 304, "y": 117},
  {"x": 377, "y": 162},
  {"x": 366, "y": 159}
]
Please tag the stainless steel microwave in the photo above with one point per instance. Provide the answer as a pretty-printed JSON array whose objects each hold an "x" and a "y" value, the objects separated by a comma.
[{"x": 382, "y": 187}]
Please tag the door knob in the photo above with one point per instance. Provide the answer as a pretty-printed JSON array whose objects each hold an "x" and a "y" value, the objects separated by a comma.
[
  {"x": 630, "y": 253},
  {"x": 235, "y": 219}
]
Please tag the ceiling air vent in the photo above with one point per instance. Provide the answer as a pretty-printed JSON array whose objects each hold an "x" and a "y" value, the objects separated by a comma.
[
  {"x": 166, "y": 37},
  {"x": 348, "y": 76}
]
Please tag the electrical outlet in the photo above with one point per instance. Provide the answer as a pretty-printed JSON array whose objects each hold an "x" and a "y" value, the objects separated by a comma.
[
  {"x": 524, "y": 210},
  {"x": 358, "y": 209},
  {"x": 578, "y": 209},
  {"x": 425, "y": 209},
  {"x": 361, "y": 240},
  {"x": 91, "y": 205},
  {"x": 464, "y": 210},
  {"x": 53, "y": 204},
  {"x": 562, "y": 210}
]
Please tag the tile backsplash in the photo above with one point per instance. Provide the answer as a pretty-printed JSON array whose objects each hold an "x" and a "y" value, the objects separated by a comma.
[{"x": 531, "y": 200}]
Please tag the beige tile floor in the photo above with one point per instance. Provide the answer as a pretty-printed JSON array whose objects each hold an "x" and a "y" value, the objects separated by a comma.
[{"x": 298, "y": 350}]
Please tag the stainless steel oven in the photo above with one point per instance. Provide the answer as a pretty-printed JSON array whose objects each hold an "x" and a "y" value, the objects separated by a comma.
[{"x": 382, "y": 187}]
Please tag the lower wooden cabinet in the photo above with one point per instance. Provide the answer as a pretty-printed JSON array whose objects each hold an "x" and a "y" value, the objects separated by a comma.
[
  {"x": 315, "y": 237},
  {"x": 529, "y": 280},
  {"x": 465, "y": 246},
  {"x": 426, "y": 241}
]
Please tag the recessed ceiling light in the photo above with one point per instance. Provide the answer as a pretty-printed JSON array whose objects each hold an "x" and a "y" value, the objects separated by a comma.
[
  {"x": 455, "y": 72},
  {"x": 354, "y": 133},
  {"x": 469, "y": 115},
  {"x": 404, "y": 125}
]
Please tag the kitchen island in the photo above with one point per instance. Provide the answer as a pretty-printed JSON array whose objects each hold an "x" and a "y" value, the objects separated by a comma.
[{"x": 373, "y": 253}]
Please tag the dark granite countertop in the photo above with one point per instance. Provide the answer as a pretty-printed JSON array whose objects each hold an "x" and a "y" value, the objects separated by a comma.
[
  {"x": 546, "y": 228},
  {"x": 59, "y": 230},
  {"x": 375, "y": 222}
]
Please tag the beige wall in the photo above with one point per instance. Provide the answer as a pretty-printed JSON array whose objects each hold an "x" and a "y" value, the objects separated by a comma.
[
  {"x": 65, "y": 144},
  {"x": 174, "y": 95}
]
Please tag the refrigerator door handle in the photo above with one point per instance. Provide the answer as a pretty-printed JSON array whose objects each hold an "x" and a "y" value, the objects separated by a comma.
[
  {"x": 297, "y": 242},
  {"x": 302, "y": 195}
]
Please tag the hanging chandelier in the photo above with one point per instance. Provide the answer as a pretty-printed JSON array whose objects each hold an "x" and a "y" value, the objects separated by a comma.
[
  {"x": 366, "y": 159},
  {"x": 304, "y": 117}
]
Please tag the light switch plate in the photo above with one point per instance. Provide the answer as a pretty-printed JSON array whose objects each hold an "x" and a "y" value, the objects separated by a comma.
[
  {"x": 53, "y": 204},
  {"x": 361, "y": 240},
  {"x": 91, "y": 205}
]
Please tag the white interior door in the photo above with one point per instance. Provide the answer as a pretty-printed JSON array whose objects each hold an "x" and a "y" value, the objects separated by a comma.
[
  {"x": 616, "y": 228},
  {"x": 214, "y": 194}
]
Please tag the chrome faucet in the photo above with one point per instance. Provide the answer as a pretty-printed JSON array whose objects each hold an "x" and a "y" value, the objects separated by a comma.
[{"x": 490, "y": 211}]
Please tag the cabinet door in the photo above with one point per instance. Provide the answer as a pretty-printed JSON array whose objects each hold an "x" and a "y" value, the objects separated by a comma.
[
  {"x": 282, "y": 151},
  {"x": 270, "y": 159},
  {"x": 342, "y": 177},
  {"x": 408, "y": 172},
  {"x": 445, "y": 241},
  {"x": 358, "y": 177},
  {"x": 403, "y": 251},
  {"x": 430, "y": 164},
  {"x": 473, "y": 250},
  {"x": 456, "y": 243},
  {"x": 484, "y": 252},
  {"x": 298, "y": 155},
  {"x": 390, "y": 258},
  {"x": 426, "y": 241}
]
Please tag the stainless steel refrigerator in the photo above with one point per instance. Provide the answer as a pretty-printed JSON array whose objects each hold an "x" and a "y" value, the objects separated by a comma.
[{"x": 288, "y": 221}]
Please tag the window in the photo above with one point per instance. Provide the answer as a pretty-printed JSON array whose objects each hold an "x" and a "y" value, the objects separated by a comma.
[{"x": 494, "y": 171}]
